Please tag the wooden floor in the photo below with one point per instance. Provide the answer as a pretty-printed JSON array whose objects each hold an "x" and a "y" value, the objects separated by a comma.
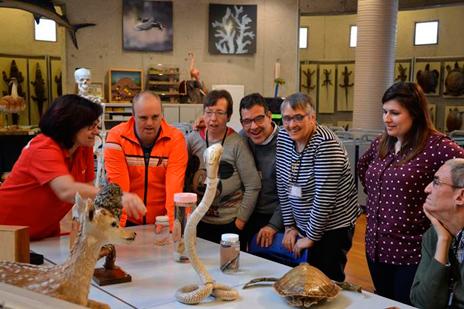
[{"x": 356, "y": 270}]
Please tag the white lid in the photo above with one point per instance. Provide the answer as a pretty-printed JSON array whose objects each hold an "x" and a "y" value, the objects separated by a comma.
[
  {"x": 185, "y": 197},
  {"x": 161, "y": 219},
  {"x": 229, "y": 237}
]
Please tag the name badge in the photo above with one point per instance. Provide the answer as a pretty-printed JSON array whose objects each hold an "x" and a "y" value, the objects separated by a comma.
[{"x": 295, "y": 191}]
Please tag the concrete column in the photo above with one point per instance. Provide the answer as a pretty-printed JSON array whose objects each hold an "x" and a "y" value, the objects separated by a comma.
[{"x": 375, "y": 60}]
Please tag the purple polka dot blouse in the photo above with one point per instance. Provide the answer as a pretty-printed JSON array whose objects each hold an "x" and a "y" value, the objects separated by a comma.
[{"x": 395, "y": 195}]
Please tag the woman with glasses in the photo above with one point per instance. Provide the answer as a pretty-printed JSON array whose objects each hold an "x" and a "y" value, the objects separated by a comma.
[
  {"x": 53, "y": 167},
  {"x": 395, "y": 171},
  {"x": 239, "y": 184},
  {"x": 316, "y": 189}
]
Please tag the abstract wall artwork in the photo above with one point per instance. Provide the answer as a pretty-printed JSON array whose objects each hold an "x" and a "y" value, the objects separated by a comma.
[
  {"x": 147, "y": 25},
  {"x": 232, "y": 29}
]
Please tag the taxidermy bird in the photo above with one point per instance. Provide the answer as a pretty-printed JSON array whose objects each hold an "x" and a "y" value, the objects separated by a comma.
[
  {"x": 45, "y": 8},
  {"x": 12, "y": 103},
  {"x": 148, "y": 23}
]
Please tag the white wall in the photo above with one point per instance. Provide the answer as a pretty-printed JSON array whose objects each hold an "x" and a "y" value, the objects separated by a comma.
[{"x": 100, "y": 47}]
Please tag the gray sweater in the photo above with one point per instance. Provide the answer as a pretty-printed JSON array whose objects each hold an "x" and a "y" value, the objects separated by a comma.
[
  {"x": 268, "y": 200},
  {"x": 239, "y": 180}
]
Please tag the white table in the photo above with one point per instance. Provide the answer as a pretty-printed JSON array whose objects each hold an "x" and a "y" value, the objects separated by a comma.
[{"x": 156, "y": 277}]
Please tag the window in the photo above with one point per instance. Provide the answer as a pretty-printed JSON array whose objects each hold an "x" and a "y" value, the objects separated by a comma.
[
  {"x": 426, "y": 33},
  {"x": 45, "y": 30},
  {"x": 353, "y": 36},
  {"x": 303, "y": 37}
]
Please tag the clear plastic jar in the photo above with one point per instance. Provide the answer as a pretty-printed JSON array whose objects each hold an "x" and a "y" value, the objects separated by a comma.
[
  {"x": 184, "y": 202},
  {"x": 229, "y": 253},
  {"x": 162, "y": 235}
]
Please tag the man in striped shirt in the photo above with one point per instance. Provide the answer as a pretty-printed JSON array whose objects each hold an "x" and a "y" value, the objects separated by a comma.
[{"x": 316, "y": 189}]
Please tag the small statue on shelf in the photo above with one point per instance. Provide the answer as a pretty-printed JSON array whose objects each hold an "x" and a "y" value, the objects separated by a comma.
[
  {"x": 194, "y": 89},
  {"x": 83, "y": 79}
]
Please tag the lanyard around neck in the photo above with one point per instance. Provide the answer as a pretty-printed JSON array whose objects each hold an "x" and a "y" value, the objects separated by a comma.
[{"x": 223, "y": 139}]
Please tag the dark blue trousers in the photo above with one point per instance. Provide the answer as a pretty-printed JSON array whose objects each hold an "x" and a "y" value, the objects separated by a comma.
[{"x": 392, "y": 281}]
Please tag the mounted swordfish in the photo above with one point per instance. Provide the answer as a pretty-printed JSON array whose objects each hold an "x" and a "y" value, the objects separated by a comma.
[{"x": 45, "y": 8}]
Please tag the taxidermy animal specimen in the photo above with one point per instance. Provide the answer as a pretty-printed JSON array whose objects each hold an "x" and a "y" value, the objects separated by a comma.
[
  {"x": 428, "y": 80},
  {"x": 45, "y": 8},
  {"x": 148, "y": 23},
  {"x": 309, "y": 76},
  {"x": 13, "y": 103},
  {"x": 454, "y": 120},
  {"x": 402, "y": 76},
  {"x": 346, "y": 83},
  {"x": 14, "y": 73},
  {"x": 39, "y": 88},
  {"x": 194, "y": 294},
  {"x": 454, "y": 82},
  {"x": 59, "y": 84},
  {"x": 70, "y": 281},
  {"x": 326, "y": 82}
]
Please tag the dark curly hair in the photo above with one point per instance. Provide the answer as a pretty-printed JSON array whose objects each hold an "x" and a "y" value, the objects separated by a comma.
[{"x": 66, "y": 116}]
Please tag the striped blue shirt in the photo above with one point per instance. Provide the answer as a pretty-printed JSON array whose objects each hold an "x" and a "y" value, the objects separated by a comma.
[{"x": 322, "y": 171}]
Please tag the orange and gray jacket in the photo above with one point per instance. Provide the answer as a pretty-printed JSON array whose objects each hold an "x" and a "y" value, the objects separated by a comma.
[{"x": 155, "y": 180}]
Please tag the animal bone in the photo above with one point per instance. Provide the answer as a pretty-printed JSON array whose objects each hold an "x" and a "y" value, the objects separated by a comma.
[
  {"x": 70, "y": 281},
  {"x": 194, "y": 294}
]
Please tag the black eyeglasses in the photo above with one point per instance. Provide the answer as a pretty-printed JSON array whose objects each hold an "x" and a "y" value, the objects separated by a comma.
[
  {"x": 437, "y": 182},
  {"x": 246, "y": 122},
  {"x": 219, "y": 113},
  {"x": 296, "y": 118}
]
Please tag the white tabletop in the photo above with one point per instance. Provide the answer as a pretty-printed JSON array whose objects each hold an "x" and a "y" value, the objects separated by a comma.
[{"x": 156, "y": 277}]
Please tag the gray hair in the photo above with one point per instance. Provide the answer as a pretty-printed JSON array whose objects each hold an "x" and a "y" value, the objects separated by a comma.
[
  {"x": 299, "y": 100},
  {"x": 457, "y": 171}
]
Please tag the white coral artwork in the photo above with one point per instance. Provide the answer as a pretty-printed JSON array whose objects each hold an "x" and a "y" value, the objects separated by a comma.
[{"x": 232, "y": 29}]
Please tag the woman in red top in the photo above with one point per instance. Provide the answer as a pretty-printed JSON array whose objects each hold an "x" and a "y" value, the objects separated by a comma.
[{"x": 53, "y": 167}]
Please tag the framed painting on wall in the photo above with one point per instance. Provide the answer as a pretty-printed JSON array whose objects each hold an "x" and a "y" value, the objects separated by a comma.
[
  {"x": 454, "y": 115},
  {"x": 124, "y": 85},
  {"x": 453, "y": 74},
  {"x": 427, "y": 75},
  {"x": 232, "y": 29},
  {"x": 326, "y": 89},
  {"x": 96, "y": 89},
  {"x": 402, "y": 70},
  {"x": 345, "y": 87},
  {"x": 308, "y": 78},
  {"x": 147, "y": 25}
]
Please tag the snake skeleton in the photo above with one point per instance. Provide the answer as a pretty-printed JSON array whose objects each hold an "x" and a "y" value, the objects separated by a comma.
[{"x": 193, "y": 294}]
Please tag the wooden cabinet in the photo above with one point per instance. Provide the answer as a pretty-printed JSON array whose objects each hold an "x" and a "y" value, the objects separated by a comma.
[
  {"x": 173, "y": 113},
  {"x": 164, "y": 81}
]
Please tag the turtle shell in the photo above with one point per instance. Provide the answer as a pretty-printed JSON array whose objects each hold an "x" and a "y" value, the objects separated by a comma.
[
  {"x": 306, "y": 281},
  {"x": 454, "y": 82}
]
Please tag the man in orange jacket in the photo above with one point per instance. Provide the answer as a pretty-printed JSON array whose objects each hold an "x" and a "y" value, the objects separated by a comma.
[{"x": 148, "y": 157}]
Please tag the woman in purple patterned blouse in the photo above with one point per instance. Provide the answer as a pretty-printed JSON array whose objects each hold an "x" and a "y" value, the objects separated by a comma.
[{"x": 394, "y": 171}]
